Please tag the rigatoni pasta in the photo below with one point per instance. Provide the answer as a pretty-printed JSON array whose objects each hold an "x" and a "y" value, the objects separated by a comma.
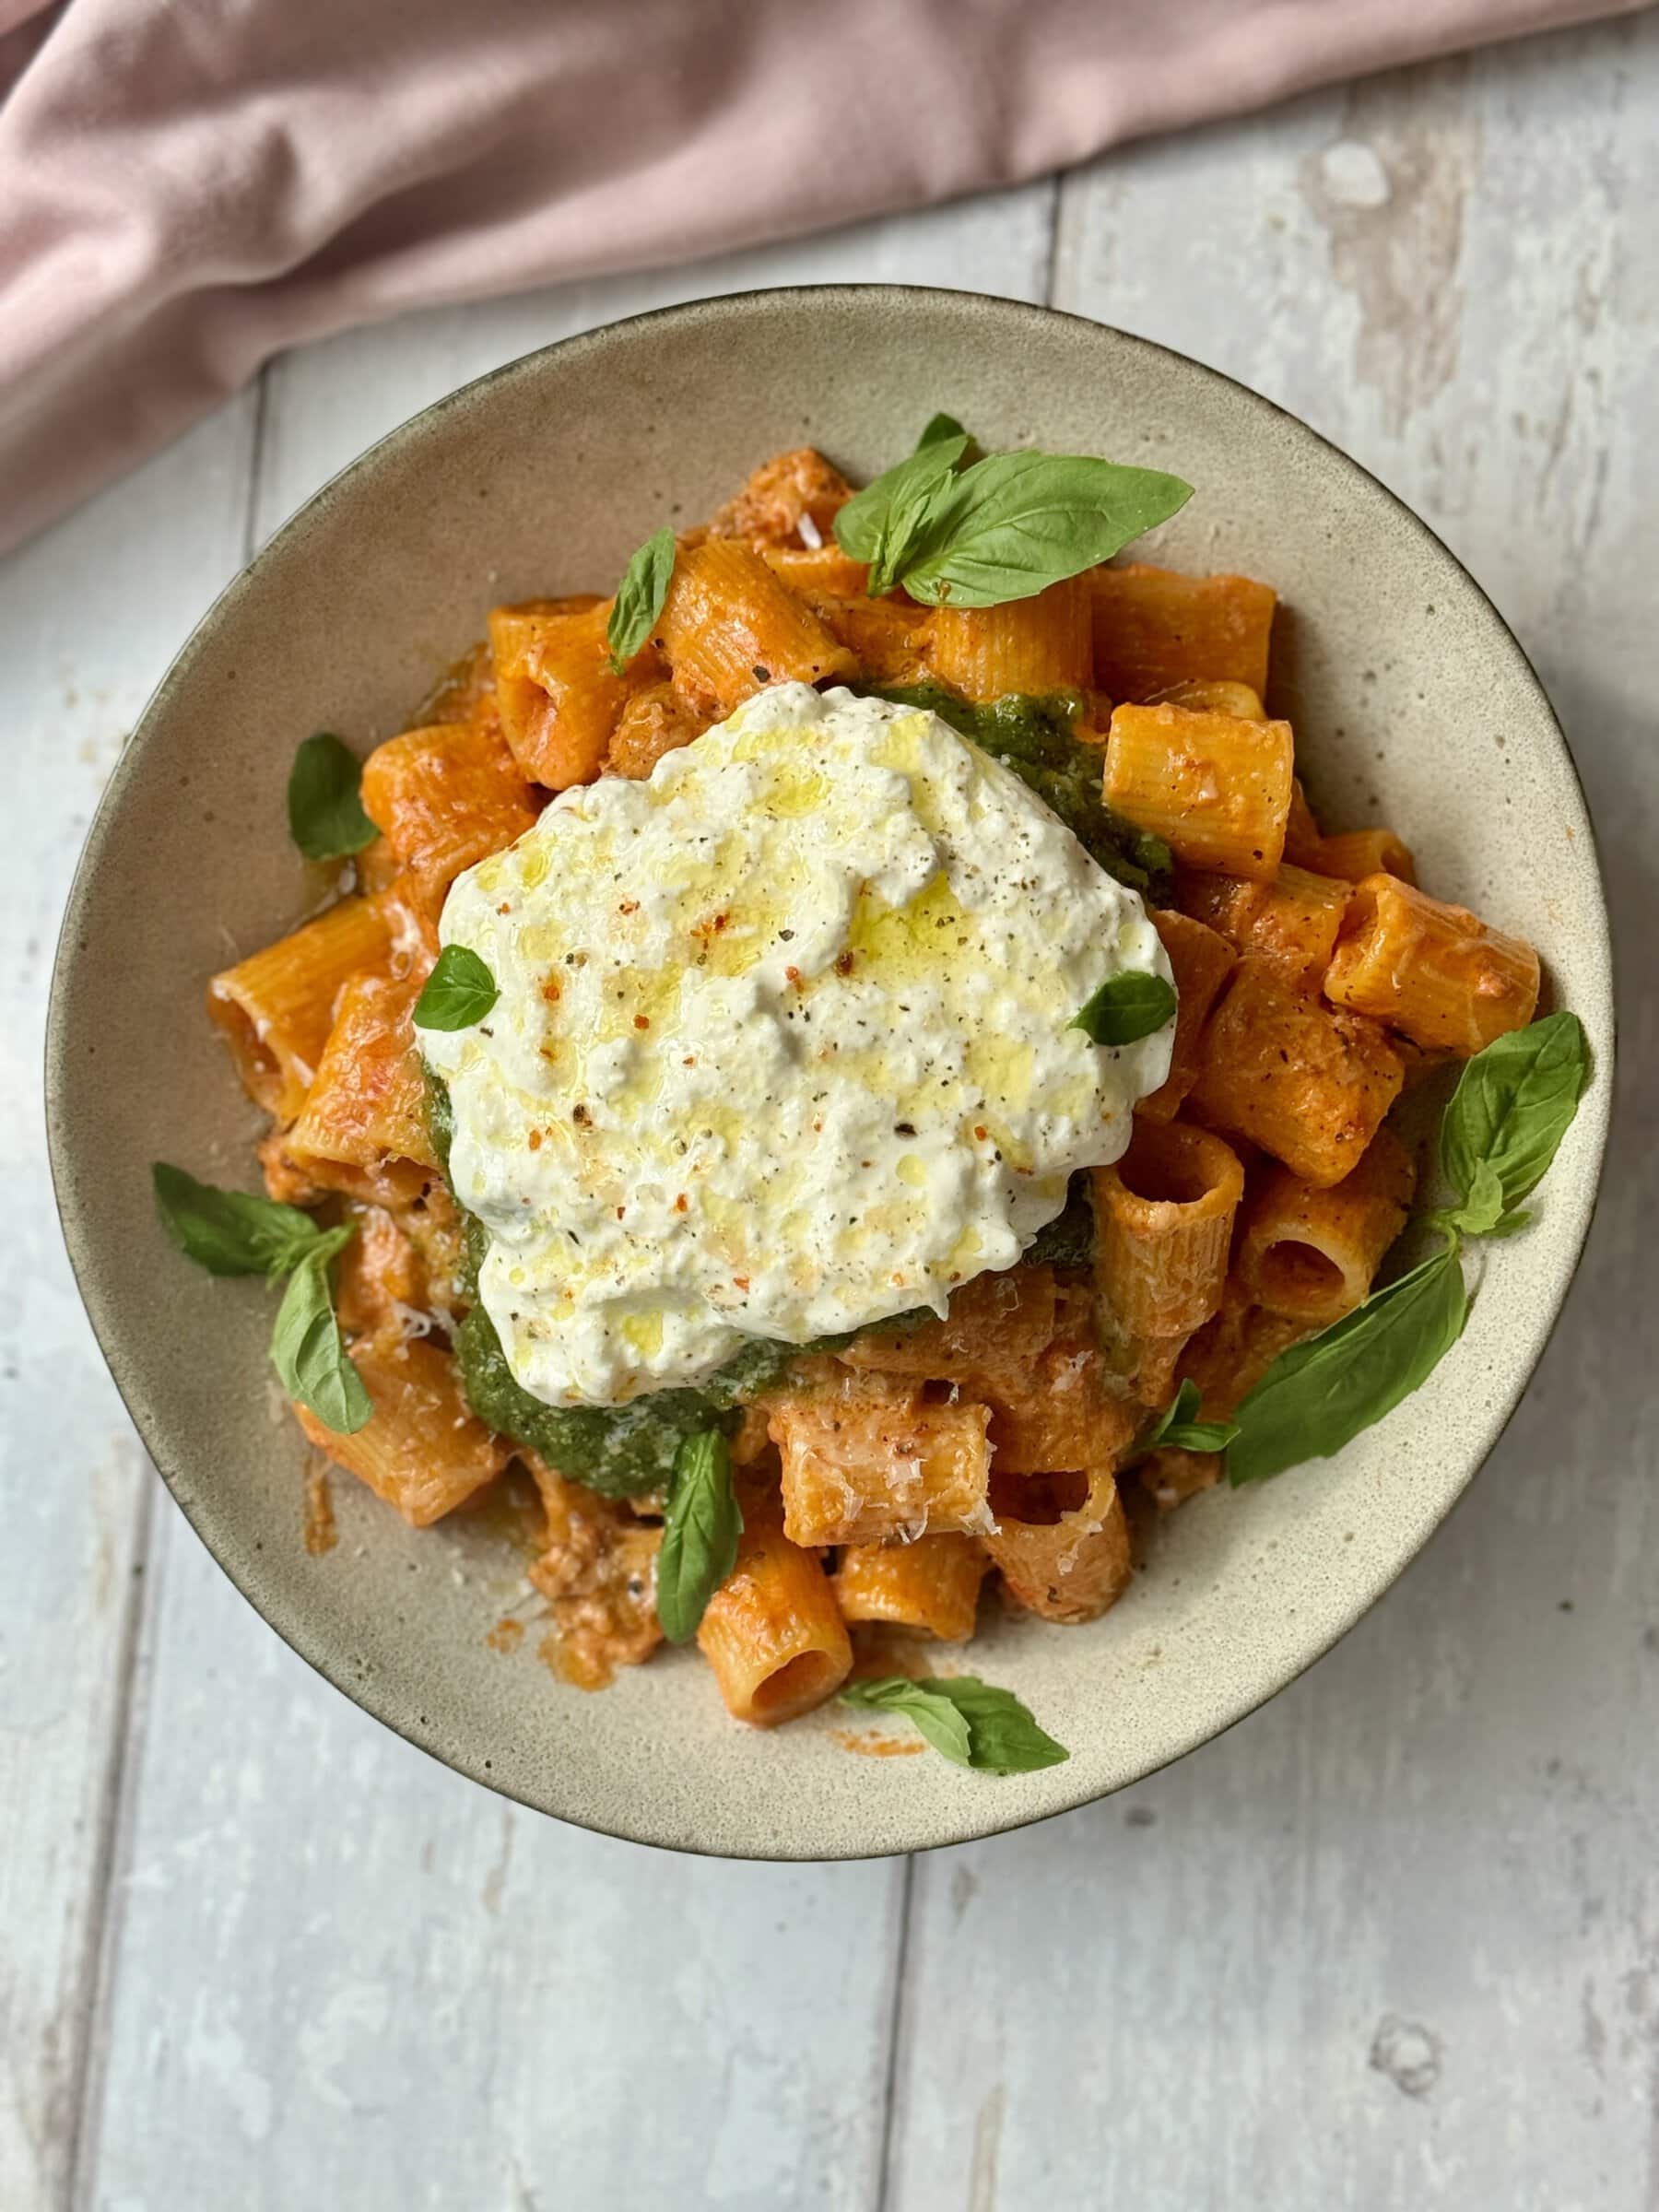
[
  {"x": 1435, "y": 971},
  {"x": 1311, "y": 1254},
  {"x": 1163, "y": 1229},
  {"x": 1283, "y": 1069},
  {"x": 930, "y": 1585},
  {"x": 772, "y": 1634},
  {"x": 1216, "y": 787},
  {"x": 1031, "y": 646},
  {"x": 1154, "y": 630}
]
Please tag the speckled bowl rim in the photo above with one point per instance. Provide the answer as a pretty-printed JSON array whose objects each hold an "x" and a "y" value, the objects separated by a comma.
[{"x": 979, "y": 1818}]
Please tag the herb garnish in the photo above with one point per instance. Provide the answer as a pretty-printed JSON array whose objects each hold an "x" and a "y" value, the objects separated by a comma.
[
  {"x": 1511, "y": 1108},
  {"x": 234, "y": 1232},
  {"x": 640, "y": 597},
  {"x": 1125, "y": 1008},
  {"x": 307, "y": 1349},
  {"x": 1176, "y": 1430},
  {"x": 459, "y": 992},
  {"x": 700, "y": 1529},
  {"x": 326, "y": 814},
  {"x": 1513, "y": 1103},
  {"x": 1003, "y": 528},
  {"x": 973, "y": 1722}
]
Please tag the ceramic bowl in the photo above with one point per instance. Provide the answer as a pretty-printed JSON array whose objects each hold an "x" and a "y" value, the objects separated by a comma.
[{"x": 1413, "y": 706}]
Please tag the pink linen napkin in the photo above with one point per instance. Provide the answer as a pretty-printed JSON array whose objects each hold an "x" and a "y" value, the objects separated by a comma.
[{"x": 187, "y": 187}]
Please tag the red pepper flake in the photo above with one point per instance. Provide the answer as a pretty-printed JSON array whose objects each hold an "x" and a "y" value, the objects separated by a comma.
[
  {"x": 742, "y": 1281},
  {"x": 690, "y": 1060},
  {"x": 680, "y": 1204},
  {"x": 620, "y": 1211},
  {"x": 504, "y": 909},
  {"x": 535, "y": 1140},
  {"x": 629, "y": 906},
  {"x": 844, "y": 963},
  {"x": 641, "y": 1021},
  {"x": 795, "y": 976},
  {"x": 580, "y": 1115},
  {"x": 552, "y": 990},
  {"x": 981, "y": 1131}
]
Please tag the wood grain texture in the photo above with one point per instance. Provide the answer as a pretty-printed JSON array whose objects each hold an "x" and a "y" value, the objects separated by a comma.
[
  {"x": 88, "y": 619},
  {"x": 1396, "y": 1940},
  {"x": 309, "y": 1920},
  {"x": 1393, "y": 1941}
]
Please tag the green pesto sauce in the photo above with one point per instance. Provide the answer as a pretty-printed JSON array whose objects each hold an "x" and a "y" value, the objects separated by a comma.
[
  {"x": 1068, "y": 1239},
  {"x": 1033, "y": 737}
]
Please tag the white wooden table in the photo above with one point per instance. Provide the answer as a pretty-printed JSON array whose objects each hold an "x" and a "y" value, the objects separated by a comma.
[{"x": 1395, "y": 1942}]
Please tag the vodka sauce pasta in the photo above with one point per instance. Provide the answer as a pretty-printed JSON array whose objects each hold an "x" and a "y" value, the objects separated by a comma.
[{"x": 854, "y": 1062}]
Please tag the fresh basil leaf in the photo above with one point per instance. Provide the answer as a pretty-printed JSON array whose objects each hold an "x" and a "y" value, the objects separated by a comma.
[
  {"x": 1321, "y": 1394},
  {"x": 325, "y": 815},
  {"x": 1481, "y": 1210},
  {"x": 231, "y": 1232},
  {"x": 973, "y": 1722},
  {"x": 1176, "y": 1429},
  {"x": 937, "y": 427},
  {"x": 700, "y": 1530},
  {"x": 879, "y": 524},
  {"x": 1514, "y": 1104},
  {"x": 1014, "y": 523},
  {"x": 307, "y": 1349},
  {"x": 1125, "y": 1008},
  {"x": 459, "y": 992},
  {"x": 1006, "y": 1739},
  {"x": 925, "y": 1706},
  {"x": 1510, "y": 1224},
  {"x": 639, "y": 596},
  {"x": 1200, "y": 1435}
]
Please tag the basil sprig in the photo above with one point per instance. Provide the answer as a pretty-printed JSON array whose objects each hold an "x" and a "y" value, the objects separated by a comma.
[
  {"x": 1125, "y": 1008},
  {"x": 700, "y": 1529},
  {"x": 881, "y": 523},
  {"x": 1514, "y": 1104},
  {"x": 307, "y": 1349},
  {"x": 459, "y": 992},
  {"x": 1320, "y": 1394},
  {"x": 230, "y": 1232},
  {"x": 326, "y": 814},
  {"x": 1003, "y": 529},
  {"x": 234, "y": 1232},
  {"x": 971, "y": 1722},
  {"x": 1176, "y": 1430},
  {"x": 640, "y": 597}
]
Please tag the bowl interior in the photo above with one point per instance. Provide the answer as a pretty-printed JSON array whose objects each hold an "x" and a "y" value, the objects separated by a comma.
[{"x": 1413, "y": 706}]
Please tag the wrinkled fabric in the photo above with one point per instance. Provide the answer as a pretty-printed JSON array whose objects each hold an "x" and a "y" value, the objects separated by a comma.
[{"x": 187, "y": 187}]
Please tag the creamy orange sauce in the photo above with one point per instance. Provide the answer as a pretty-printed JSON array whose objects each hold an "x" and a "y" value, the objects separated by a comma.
[
  {"x": 869, "y": 1745},
  {"x": 321, "y": 1534},
  {"x": 506, "y": 1636}
]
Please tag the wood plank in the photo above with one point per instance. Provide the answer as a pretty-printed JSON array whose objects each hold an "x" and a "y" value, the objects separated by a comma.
[
  {"x": 89, "y": 615},
  {"x": 346, "y": 1975},
  {"x": 1396, "y": 1940}
]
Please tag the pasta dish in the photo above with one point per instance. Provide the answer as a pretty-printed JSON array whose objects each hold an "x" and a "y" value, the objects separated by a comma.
[{"x": 854, "y": 1062}]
